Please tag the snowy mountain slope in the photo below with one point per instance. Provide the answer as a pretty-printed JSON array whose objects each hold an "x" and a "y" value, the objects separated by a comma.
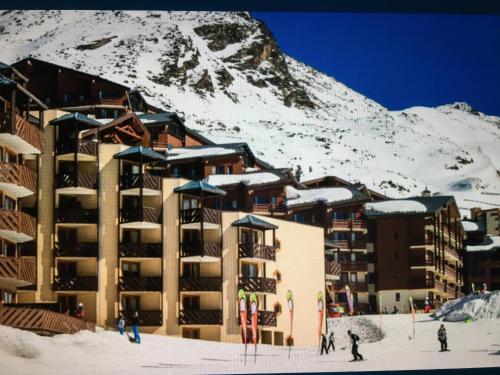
[{"x": 225, "y": 74}]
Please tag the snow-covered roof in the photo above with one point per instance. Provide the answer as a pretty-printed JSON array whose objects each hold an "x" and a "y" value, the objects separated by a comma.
[
  {"x": 394, "y": 207},
  {"x": 297, "y": 197},
  {"x": 489, "y": 243},
  {"x": 470, "y": 226},
  {"x": 198, "y": 152},
  {"x": 247, "y": 179}
]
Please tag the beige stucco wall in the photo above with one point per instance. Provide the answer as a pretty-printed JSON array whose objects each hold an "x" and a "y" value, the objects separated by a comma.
[{"x": 389, "y": 298}]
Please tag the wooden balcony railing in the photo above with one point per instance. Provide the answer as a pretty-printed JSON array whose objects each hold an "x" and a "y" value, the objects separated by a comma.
[
  {"x": 356, "y": 266},
  {"x": 451, "y": 251},
  {"x": 147, "y": 318},
  {"x": 341, "y": 244},
  {"x": 17, "y": 174},
  {"x": 27, "y": 249},
  {"x": 141, "y": 214},
  {"x": 206, "y": 248},
  {"x": 18, "y": 221},
  {"x": 141, "y": 284},
  {"x": 22, "y": 270},
  {"x": 354, "y": 286},
  {"x": 348, "y": 224},
  {"x": 49, "y": 306},
  {"x": 268, "y": 208},
  {"x": 332, "y": 268},
  {"x": 76, "y": 249},
  {"x": 76, "y": 215},
  {"x": 345, "y": 244},
  {"x": 21, "y": 128},
  {"x": 260, "y": 251},
  {"x": 75, "y": 283},
  {"x": 358, "y": 244},
  {"x": 141, "y": 250},
  {"x": 80, "y": 179},
  {"x": 258, "y": 284},
  {"x": 197, "y": 215},
  {"x": 200, "y": 284},
  {"x": 81, "y": 147},
  {"x": 264, "y": 318},
  {"x": 450, "y": 272},
  {"x": 200, "y": 317},
  {"x": 133, "y": 181}
]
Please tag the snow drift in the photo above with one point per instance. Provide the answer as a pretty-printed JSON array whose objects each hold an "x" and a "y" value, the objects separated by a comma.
[{"x": 477, "y": 306}]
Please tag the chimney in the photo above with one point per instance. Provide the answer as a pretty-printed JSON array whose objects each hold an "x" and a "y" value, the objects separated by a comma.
[{"x": 426, "y": 192}]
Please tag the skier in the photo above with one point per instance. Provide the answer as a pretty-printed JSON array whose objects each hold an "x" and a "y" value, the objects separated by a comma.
[
  {"x": 135, "y": 327},
  {"x": 121, "y": 325},
  {"x": 442, "y": 338},
  {"x": 427, "y": 305},
  {"x": 354, "y": 342},
  {"x": 323, "y": 345},
  {"x": 79, "y": 311},
  {"x": 331, "y": 342}
]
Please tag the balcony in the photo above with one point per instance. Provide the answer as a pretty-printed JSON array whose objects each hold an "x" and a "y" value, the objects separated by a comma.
[
  {"x": 357, "y": 266},
  {"x": 27, "y": 249},
  {"x": 16, "y": 272},
  {"x": 141, "y": 250},
  {"x": 76, "y": 249},
  {"x": 201, "y": 249},
  {"x": 17, "y": 226},
  {"x": 76, "y": 180},
  {"x": 450, "y": 272},
  {"x": 147, "y": 318},
  {"x": 341, "y": 244},
  {"x": 268, "y": 208},
  {"x": 141, "y": 284},
  {"x": 76, "y": 215},
  {"x": 354, "y": 286},
  {"x": 451, "y": 252},
  {"x": 344, "y": 224},
  {"x": 259, "y": 251},
  {"x": 82, "y": 147},
  {"x": 200, "y": 284},
  {"x": 420, "y": 259},
  {"x": 258, "y": 284},
  {"x": 264, "y": 318},
  {"x": 198, "y": 215},
  {"x": 133, "y": 181},
  {"x": 332, "y": 268},
  {"x": 20, "y": 135},
  {"x": 437, "y": 285},
  {"x": 75, "y": 283},
  {"x": 142, "y": 214},
  {"x": 200, "y": 317},
  {"x": 17, "y": 180}
]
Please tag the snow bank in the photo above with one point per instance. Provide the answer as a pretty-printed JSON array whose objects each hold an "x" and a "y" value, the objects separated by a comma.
[
  {"x": 489, "y": 243},
  {"x": 477, "y": 306},
  {"x": 395, "y": 207},
  {"x": 365, "y": 328},
  {"x": 247, "y": 179},
  {"x": 327, "y": 195}
]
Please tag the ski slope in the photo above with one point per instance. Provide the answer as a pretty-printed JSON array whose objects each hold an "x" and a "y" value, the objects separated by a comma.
[
  {"x": 225, "y": 74},
  {"x": 106, "y": 352}
]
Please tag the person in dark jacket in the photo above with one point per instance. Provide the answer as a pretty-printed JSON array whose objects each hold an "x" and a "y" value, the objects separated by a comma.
[
  {"x": 331, "y": 342},
  {"x": 354, "y": 343},
  {"x": 323, "y": 344},
  {"x": 135, "y": 327},
  {"x": 442, "y": 338}
]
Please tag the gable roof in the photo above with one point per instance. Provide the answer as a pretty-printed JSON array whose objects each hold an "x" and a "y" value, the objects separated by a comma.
[
  {"x": 119, "y": 133},
  {"x": 254, "y": 179},
  {"x": 329, "y": 196},
  {"x": 251, "y": 221},
  {"x": 208, "y": 152},
  {"x": 408, "y": 206},
  {"x": 139, "y": 154},
  {"x": 71, "y": 118},
  {"x": 199, "y": 189}
]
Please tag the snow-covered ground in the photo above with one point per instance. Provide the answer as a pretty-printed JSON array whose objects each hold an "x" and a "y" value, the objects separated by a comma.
[
  {"x": 235, "y": 93},
  {"x": 106, "y": 352}
]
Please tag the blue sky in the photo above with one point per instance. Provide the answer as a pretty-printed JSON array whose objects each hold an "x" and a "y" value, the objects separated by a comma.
[{"x": 399, "y": 60}]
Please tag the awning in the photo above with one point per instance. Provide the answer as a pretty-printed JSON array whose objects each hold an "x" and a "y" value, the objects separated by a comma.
[
  {"x": 199, "y": 189},
  {"x": 70, "y": 118},
  {"x": 140, "y": 155},
  {"x": 250, "y": 221}
]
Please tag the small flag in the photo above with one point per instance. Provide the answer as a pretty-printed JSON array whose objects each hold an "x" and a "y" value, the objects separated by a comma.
[
  {"x": 255, "y": 312},
  {"x": 242, "y": 302},
  {"x": 349, "y": 299},
  {"x": 321, "y": 312},
  {"x": 289, "y": 299}
]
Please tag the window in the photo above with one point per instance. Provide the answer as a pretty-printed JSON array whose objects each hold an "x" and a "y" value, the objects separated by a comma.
[
  {"x": 191, "y": 269},
  {"x": 191, "y": 303},
  {"x": 299, "y": 218},
  {"x": 131, "y": 236},
  {"x": 9, "y": 203},
  {"x": 66, "y": 98},
  {"x": 131, "y": 303},
  {"x": 191, "y": 236},
  {"x": 354, "y": 277},
  {"x": 229, "y": 169},
  {"x": 81, "y": 98},
  {"x": 131, "y": 269},
  {"x": 191, "y": 333},
  {"x": 398, "y": 297},
  {"x": 7, "y": 297},
  {"x": 67, "y": 235},
  {"x": 249, "y": 270},
  {"x": 67, "y": 303},
  {"x": 344, "y": 278},
  {"x": 235, "y": 204},
  {"x": 66, "y": 269},
  {"x": 175, "y": 172},
  {"x": 353, "y": 257},
  {"x": 313, "y": 218},
  {"x": 220, "y": 169},
  {"x": 278, "y": 338},
  {"x": 214, "y": 169}
]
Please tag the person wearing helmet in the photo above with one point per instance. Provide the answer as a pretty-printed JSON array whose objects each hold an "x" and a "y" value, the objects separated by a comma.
[{"x": 79, "y": 311}]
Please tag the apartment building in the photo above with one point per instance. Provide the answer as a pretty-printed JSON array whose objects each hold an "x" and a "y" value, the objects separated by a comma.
[{"x": 415, "y": 248}]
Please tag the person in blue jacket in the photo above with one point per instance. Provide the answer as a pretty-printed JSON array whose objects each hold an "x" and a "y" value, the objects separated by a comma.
[
  {"x": 135, "y": 327},
  {"x": 121, "y": 325}
]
